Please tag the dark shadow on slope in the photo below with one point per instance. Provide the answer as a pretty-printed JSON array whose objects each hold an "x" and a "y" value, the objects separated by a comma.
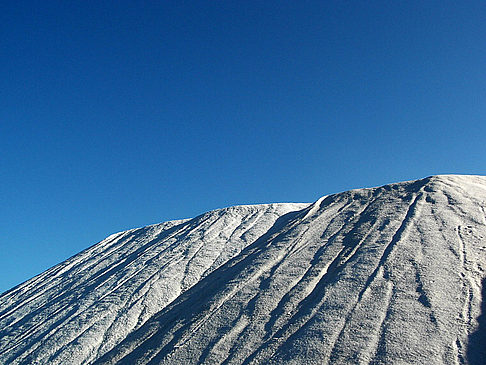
[{"x": 476, "y": 349}]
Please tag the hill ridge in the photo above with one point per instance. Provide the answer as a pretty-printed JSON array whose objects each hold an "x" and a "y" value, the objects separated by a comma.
[{"x": 389, "y": 274}]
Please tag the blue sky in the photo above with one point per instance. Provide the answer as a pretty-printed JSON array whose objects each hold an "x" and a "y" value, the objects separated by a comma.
[{"x": 119, "y": 114}]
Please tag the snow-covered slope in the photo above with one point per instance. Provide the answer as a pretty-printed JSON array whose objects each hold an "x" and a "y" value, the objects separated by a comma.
[{"x": 389, "y": 275}]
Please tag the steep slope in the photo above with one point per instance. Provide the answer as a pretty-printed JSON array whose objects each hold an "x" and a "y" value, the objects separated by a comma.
[
  {"x": 388, "y": 275},
  {"x": 78, "y": 310}
]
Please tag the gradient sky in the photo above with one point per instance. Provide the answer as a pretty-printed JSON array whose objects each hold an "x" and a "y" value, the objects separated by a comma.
[{"x": 119, "y": 114}]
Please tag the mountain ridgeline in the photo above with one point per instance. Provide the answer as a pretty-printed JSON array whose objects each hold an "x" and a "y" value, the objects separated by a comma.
[{"x": 387, "y": 275}]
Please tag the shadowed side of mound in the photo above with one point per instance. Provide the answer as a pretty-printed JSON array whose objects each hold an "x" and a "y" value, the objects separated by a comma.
[{"x": 476, "y": 353}]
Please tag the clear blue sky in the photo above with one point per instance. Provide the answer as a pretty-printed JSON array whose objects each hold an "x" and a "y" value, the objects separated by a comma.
[{"x": 118, "y": 114}]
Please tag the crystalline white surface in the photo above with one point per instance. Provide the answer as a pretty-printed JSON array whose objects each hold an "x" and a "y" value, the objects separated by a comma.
[{"x": 388, "y": 275}]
